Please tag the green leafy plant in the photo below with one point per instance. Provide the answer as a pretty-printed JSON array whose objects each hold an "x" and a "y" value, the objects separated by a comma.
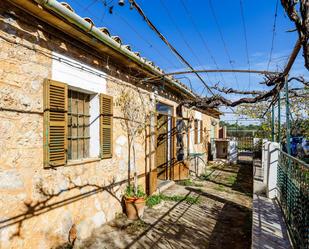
[
  {"x": 231, "y": 179},
  {"x": 130, "y": 192},
  {"x": 153, "y": 200},
  {"x": 189, "y": 182},
  {"x": 156, "y": 199}
]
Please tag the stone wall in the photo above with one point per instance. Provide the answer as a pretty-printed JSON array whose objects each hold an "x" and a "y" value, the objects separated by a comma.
[{"x": 39, "y": 206}]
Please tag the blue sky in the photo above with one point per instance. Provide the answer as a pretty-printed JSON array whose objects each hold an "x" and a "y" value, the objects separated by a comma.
[{"x": 170, "y": 16}]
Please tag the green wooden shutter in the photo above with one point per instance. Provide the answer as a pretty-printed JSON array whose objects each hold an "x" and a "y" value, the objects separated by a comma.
[
  {"x": 55, "y": 123},
  {"x": 106, "y": 126}
]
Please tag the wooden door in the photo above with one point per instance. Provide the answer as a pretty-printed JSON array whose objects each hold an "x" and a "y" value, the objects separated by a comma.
[
  {"x": 162, "y": 147},
  {"x": 179, "y": 168}
]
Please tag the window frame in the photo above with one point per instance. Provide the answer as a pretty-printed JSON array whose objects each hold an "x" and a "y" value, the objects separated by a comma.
[{"x": 69, "y": 125}]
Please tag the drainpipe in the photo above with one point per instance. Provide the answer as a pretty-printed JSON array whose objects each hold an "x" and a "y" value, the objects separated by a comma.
[
  {"x": 279, "y": 118},
  {"x": 288, "y": 124},
  {"x": 75, "y": 19},
  {"x": 272, "y": 123}
]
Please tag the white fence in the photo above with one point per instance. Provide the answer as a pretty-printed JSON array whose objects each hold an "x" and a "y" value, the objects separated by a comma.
[{"x": 270, "y": 156}]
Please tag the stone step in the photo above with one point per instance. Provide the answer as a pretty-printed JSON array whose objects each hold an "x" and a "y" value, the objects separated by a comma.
[{"x": 164, "y": 185}]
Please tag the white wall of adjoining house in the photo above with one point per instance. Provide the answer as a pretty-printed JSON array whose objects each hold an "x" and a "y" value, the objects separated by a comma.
[
  {"x": 94, "y": 130},
  {"x": 198, "y": 115},
  {"x": 75, "y": 77},
  {"x": 191, "y": 137}
]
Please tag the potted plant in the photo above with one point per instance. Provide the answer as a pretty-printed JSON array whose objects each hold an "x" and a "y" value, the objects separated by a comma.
[
  {"x": 132, "y": 107},
  {"x": 135, "y": 202}
]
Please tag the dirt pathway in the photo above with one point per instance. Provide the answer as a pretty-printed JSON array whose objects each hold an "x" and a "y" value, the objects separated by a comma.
[{"x": 220, "y": 219}]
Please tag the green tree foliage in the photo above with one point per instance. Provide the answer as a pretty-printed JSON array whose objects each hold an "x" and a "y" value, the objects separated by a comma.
[{"x": 299, "y": 109}]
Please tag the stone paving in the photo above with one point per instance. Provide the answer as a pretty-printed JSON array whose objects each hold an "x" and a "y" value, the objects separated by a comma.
[
  {"x": 221, "y": 219},
  {"x": 269, "y": 229}
]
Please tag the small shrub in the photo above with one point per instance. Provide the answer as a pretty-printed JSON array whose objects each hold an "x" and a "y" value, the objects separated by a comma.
[
  {"x": 153, "y": 200},
  {"x": 130, "y": 192},
  {"x": 156, "y": 199},
  {"x": 189, "y": 199},
  {"x": 189, "y": 182},
  {"x": 231, "y": 179}
]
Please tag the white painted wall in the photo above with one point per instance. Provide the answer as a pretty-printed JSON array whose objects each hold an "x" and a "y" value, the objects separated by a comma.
[
  {"x": 265, "y": 153},
  {"x": 233, "y": 151},
  {"x": 199, "y": 131},
  {"x": 271, "y": 155},
  {"x": 198, "y": 115},
  {"x": 63, "y": 71},
  {"x": 84, "y": 81},
  {"x": 191, "y": 137}
]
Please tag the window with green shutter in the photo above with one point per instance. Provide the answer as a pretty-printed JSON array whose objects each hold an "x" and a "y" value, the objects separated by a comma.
[{"x": 67, "y": 124}]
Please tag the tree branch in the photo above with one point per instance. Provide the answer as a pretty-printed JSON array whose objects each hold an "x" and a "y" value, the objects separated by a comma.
[
  {"x": 218, "y": 100},
  {"x": 300, "y": 79},
  {"x": 234, "y": 91},
  {"x": 301, "y": 21}
]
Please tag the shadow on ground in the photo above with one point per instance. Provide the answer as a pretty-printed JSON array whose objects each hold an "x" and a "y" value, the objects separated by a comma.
[{"x": 219, "y": 220}]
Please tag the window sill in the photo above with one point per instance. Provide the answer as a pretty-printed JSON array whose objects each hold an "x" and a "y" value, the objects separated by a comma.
[{"x": 82, "y": 161}]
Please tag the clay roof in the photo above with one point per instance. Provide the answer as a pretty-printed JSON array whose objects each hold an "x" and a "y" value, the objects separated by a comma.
[{"x": 125, "y": 46}]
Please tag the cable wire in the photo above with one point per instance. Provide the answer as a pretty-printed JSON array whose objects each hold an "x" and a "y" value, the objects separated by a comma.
[
  {"x": 273, "y": 35},
  {"x": 222, "y": 38},
  {"x": 184, "y": 39},
  {"x": 245, "y": 36},
  {"x": 201, "y": 37},
  {"x": 107, "y": 4},
  {"x": 144, "y": 39},
  {"x": 154, "y": 28}
]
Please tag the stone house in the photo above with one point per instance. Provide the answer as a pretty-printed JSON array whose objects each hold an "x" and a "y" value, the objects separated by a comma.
[{"x": 64, "y": 156}]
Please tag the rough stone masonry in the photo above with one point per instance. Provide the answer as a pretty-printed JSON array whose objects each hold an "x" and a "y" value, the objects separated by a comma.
[{"x": 39, "y": 206}]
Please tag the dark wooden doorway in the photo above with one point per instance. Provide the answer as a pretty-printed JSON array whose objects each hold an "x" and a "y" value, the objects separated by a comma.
[{"x": 163, "y": 146}]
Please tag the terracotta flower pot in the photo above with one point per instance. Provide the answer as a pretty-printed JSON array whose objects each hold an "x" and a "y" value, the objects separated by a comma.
[{"x": 134, "y": 207}]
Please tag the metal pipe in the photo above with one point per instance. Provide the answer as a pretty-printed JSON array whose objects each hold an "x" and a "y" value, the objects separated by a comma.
[
  {"x": 272, "y": 123},
  {"x": 295, "y": 159},
  {"x": 279, "y": 118},
  {"x": 75, "y": 19},
  {"x": 288, "y": 125},
  {"x": 218, "y": 71}
]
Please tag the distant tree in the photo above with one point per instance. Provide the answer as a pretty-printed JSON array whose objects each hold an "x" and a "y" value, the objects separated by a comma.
[{"x": 299, "y": 109}]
